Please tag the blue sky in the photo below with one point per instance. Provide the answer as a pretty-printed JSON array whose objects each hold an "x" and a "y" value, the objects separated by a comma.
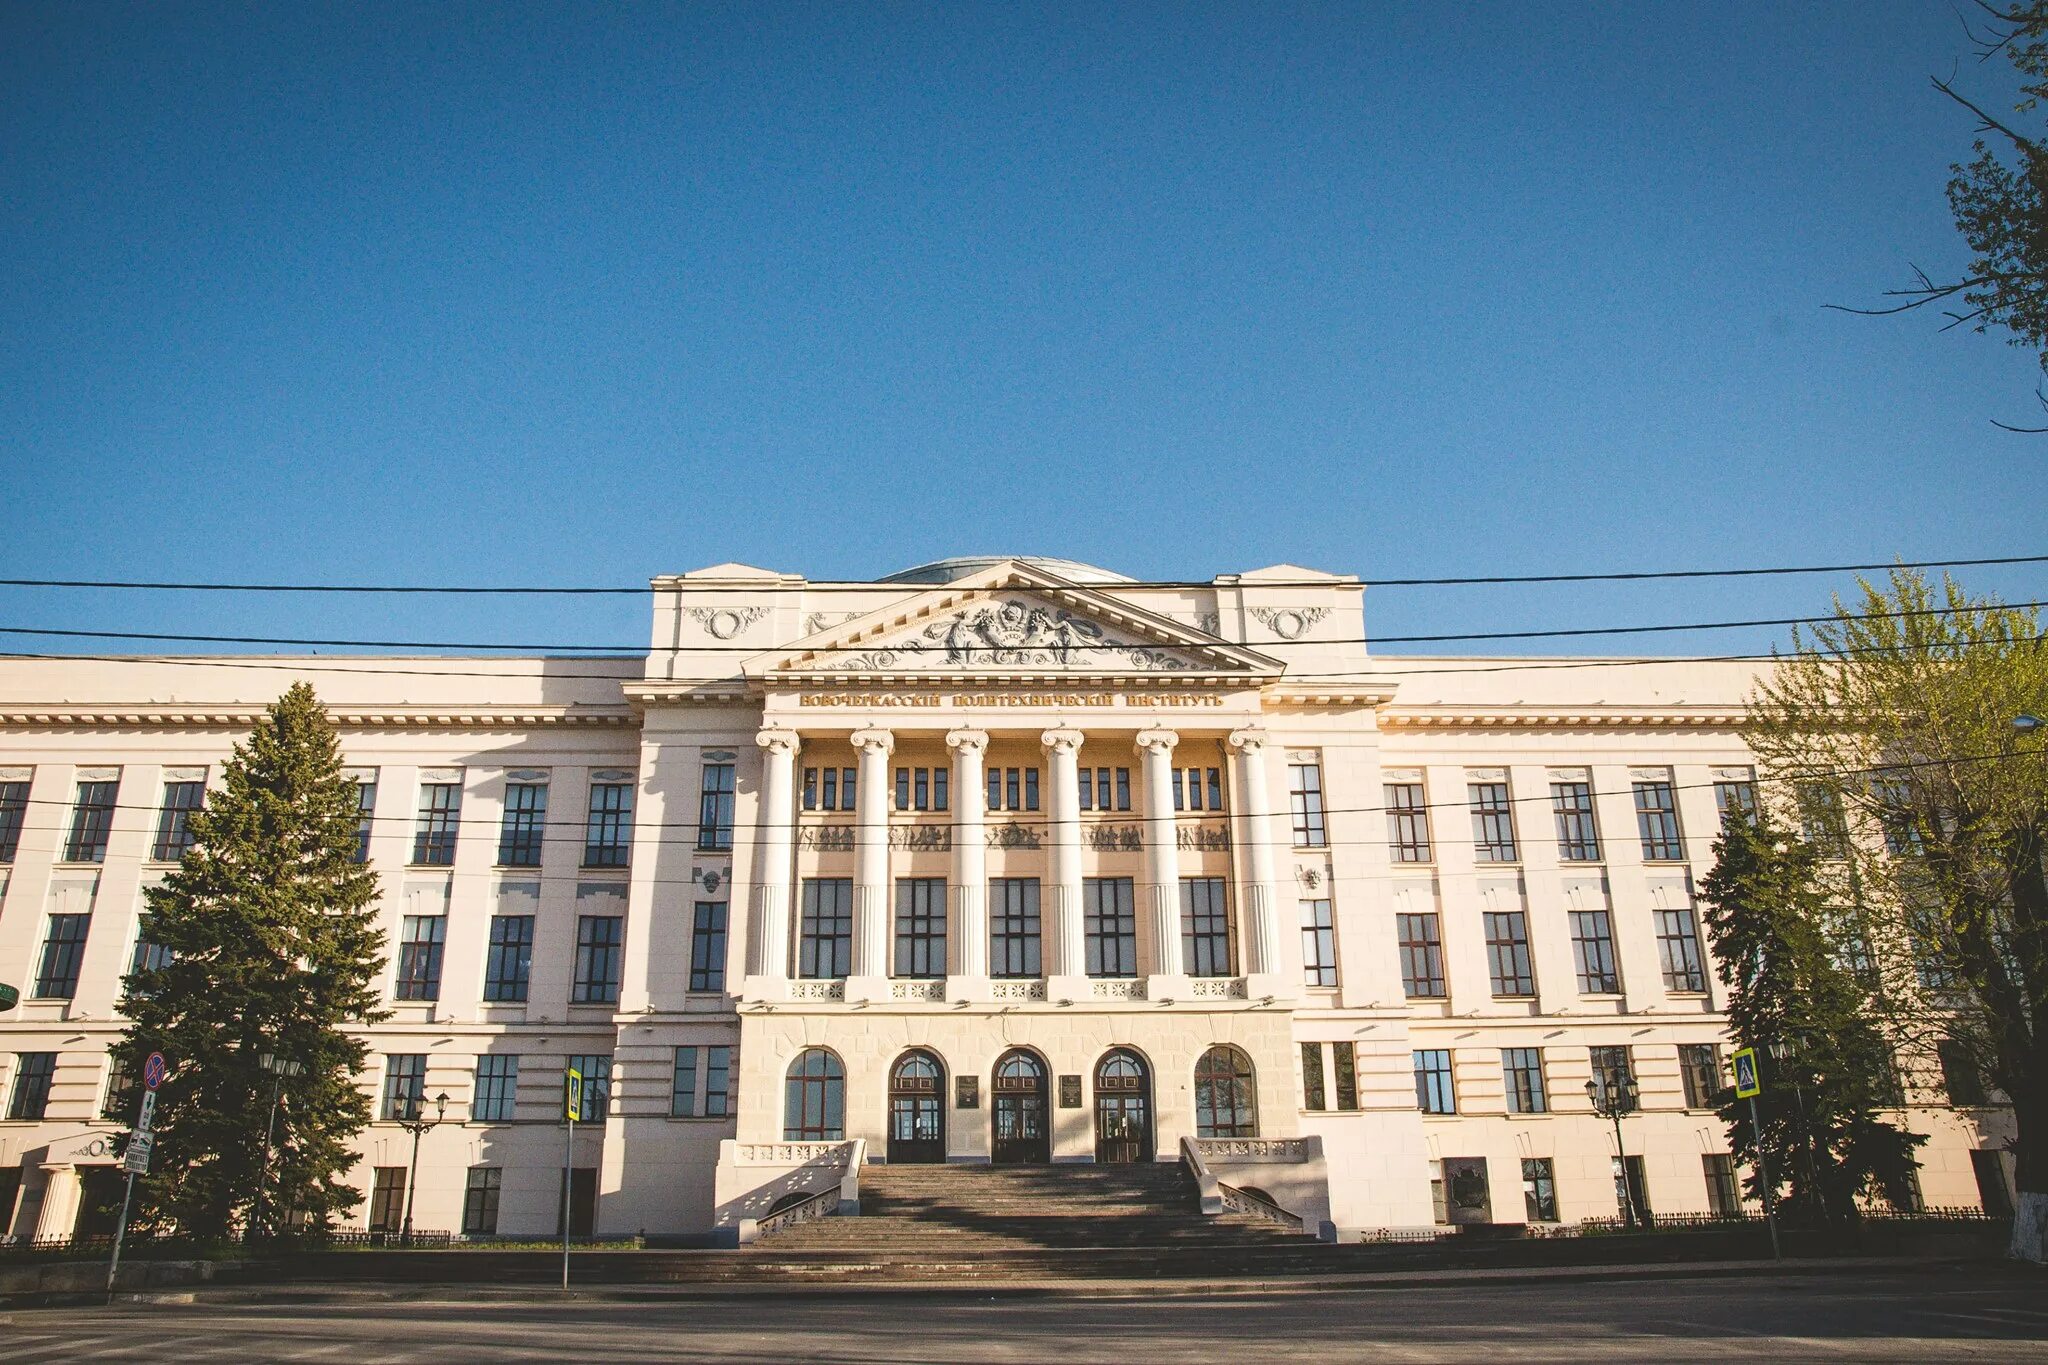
[{"x": 580, "y": 294}]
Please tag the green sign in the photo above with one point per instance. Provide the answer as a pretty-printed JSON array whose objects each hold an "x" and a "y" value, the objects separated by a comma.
[
  {"x": 575, "y": 1095},
  {"x": 1747, "y": 1085},
  {"x": 9, "y": 997}
]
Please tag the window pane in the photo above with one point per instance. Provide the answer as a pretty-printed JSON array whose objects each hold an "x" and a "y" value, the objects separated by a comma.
[
  {"x": 599, "y": 946},
  {"x": 1577, "y": 839},
  {"x": 1493, "y": 822},
  {"x": 715, "y": 810},
  {"x": 1593, "y": 947},
  {"x": 1657, "y": 821},
  {"x": 1013, "y": 927},
  {"x": 707, "y": 946},
  {"x": 524, "y": 824},
  {"x": 92, "y": 819},
  {"x": 1318, "y": 943},
  {"x": 508, "y": 962},
  {"x": 1110, "y": 926},
  {"x": 1204, "y": 927},
  {"x": 608, "y": 837},
  {"x": 1422, "y": 956},
  {"x": 173, "y": 829},
  {"x": 921, "y": 927},
  {"x": 440, "y": 819},
  {"x": 1507, "y": 953},
  {"x": 1407, "y": 822},
  {"x": 1434, "y": 1093}
]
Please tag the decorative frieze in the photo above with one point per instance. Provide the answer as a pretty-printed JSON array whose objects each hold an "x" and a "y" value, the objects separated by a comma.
[
  {"x": 793, "y": 1153},
  {"x": 1113, "y": 838},
  {"x": 1015, "y": 633},
  {"x": 1257, "y": 1149},
  {"x": 1131, "y": 989},
  {"x": 917, "y": 990},
  {"x": 921, "y": 838},
  {"x": 1217, "y": 988},
  {"x": 817, "y": 990},
  {"x": 1013, "y": 835},
  {"x": 1203, "y": 838},
  {"x": 1017, "y": 990},
  {"x": 826, "y": 838}
]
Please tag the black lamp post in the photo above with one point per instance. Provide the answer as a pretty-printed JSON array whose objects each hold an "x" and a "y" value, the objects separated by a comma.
[
  {"x": 1613, "y": 1093},
  {"x": 417, "y": 1126},
  {"x": 279, "y": 1068}
]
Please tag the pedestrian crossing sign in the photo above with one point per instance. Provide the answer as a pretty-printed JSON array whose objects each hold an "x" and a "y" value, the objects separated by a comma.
[
  {"x": 1746, "y": 1084},
  {"x": 575, "y": 1095}
]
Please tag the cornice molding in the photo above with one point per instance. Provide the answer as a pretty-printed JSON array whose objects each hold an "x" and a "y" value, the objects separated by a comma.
[
  {"x": 1533, "y": 718},
  {"x": 347, "y": 718}
]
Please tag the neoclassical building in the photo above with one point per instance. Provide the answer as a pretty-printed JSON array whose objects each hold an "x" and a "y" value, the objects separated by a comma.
[{"x": 997, "y": 859}]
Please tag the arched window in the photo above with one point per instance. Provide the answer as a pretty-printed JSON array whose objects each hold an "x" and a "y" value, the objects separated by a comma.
[
  {"x": 814, "y": 1102},
  {"x": 1226, "y": 1098}
]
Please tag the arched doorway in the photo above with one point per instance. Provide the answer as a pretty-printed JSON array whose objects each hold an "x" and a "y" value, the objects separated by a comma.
[
  {"x": 1022, "y": 1133},
  {"x": 1123, "y": 1108},
  {"x": 917, "y": 1113}
]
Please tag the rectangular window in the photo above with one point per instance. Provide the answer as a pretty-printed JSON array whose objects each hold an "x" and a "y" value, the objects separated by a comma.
[
  {"x": 1407, "y": 822},
  {"x": 1613, "y": 1074},
  {"x": 1994, "y": 1192},
  {"x": 366, "y": 817},
  {"x": 1013, "y": 927},
  {"x": 419, "y": 957},
  {"x": 1631, "y": 1189},
  {"x": 1305, "y": 801},
  {"x": 1539, "y": 1189},
  {"x": 599, "y": 952},
  {"x": 1522, "y": 1074},
  {"x": 387, "y": 1199},
  {"x": 1960, "y": 1075},
  {"x": 497, "y": 1088},
  {"x": 1678, "y": 945},
  {"x": 1422, "y": 956},
  {"x": 1434, "y": 1093},
  {"x": 440, "y": 819},
  {"x": 13, "y": 814},
  {"x": 119, "y": 1103},
  {"x": 405, "y": 1085},
  {"x": 717, "y": 1082},
  {"x": 1106, "y": 789},
  {"x": 525, "y": 821},
  {"x": 1507, "y": 953},
  {"x": 1318, "y": 944},
  {"x": 1110, "y": 925},
  {"x": 707, "y": 946},
  {"x": 921, "y": 788},
  {"x": 596, "y": 1096},
  {"x": 480, "y": 1201},
  {"x": 825, "y": 929},
  {"x": 1699, "y": 1066},
  {"x": 1204, "y": 927},
  {"x": 682, "y": 1100},
  {"x": 1493, "y": 822},
  {"x": 1578, "y": 838},
  {"x": 148, "y": 957},
  {"x": 1312, "y": 1095},
  {"x": 173, "y": 822},
  {"x": 713, "y": 1065},
  {"x": 1344, "y": 1059},
  {"x": 1013, "y": 789},
  {"x": 1198, "y": 789},
  {"x": 63, "y": 954},
  {"x": 91, "y": 821},
  {"x": 921, "y": 927},
  {"x": 608, "y": 836},
  {"x": 1724, "y": 1198},
  {"x": 715, "y": 808},
  {"x": 508, "y": 962},
  {"x": 1735, "y": 795},
  {"x": 1657, "y": 822},
  {"x": 1593, "y": 949},
  {"x": 830, "y": 788},
  {"x": 1821, "y": 822},
  {"x": 32, "y": 1075}
]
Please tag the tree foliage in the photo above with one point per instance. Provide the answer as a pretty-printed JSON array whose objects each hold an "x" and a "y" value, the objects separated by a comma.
[{"x": 273, "y": 947}]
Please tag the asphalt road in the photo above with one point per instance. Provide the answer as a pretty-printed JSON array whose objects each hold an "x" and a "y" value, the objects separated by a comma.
[{"x": 1985, "y": 1314}]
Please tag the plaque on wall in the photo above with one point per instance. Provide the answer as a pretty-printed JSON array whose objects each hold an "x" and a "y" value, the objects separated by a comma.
[
  {"x": 967, "y": 1092},
  {"x": 1070, "y": 1092}
]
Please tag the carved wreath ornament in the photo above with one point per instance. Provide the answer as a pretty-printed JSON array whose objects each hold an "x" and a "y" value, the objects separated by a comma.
[{"x": 1011, "y": 634}]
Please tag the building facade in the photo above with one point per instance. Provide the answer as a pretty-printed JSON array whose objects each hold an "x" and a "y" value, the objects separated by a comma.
[{"x": 992, "y": 860}]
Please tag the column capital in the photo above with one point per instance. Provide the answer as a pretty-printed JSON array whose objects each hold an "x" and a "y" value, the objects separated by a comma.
[
  {"x": 1062, "y": 741},
  {"x": 776, "y": 739},
  {"x": 967, "y": 741},
  {"x": 873, "y": 740},
  {"x": 1249, "y": 740},
  {"x": 1157, "y": 739}
]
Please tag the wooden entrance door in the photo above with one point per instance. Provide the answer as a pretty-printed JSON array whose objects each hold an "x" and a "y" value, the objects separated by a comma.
[
  {"x": 1022, "y": 1133},
  {"x": 1123, "y": 1108},
  {"x": 917, "y": 1123}
]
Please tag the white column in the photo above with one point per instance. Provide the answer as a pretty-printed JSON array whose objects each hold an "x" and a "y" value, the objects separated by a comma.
[
  {"x": 774, "y": 837},
  {"x": 969, "y": 930},
  {"x": 61, "y": 1191},
  {"x": 1167, "y": 980},
  {"x": 1265, "y": 969},
  {"x": 870, "y": 978},
  {"x": 1066, "y": 961}
]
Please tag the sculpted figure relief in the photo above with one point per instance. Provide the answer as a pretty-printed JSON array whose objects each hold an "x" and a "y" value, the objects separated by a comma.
[{"x": 1013, "y": 633}]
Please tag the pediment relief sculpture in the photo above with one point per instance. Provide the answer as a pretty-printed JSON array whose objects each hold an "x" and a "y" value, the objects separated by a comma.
[{"x": 1014, "y": 632}]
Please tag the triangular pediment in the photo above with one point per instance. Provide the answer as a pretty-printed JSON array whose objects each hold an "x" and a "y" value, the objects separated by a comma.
[{"x": 1012, "y": 619}]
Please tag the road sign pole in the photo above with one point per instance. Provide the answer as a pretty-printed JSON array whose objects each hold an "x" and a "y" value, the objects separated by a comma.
[
  {"x": 568, "y": 1181},
  {"x": 1763, "y": 1175},
  {"x": 120, "y": 1231}
]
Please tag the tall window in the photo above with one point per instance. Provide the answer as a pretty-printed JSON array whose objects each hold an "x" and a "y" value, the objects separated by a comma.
[
  {"x": 480, "y": 1201},
  {"x": 149, "y": 957},
  {"x": 1578, "y": 839},
  {"x": 825, "y": 929},
  {"x": 830, "y": 788},
  {"x": 419, "y": 957},
  {"x": 1313, "y": 1095},
  {"x": 1422, "y": 956},
  {"x": 707, "y": 946},
  {"x": 715, "y": 809},
  {"x": 1305, "y": 801},
  {"x": 1733, "y": 795},
  {"x": 1657, "y": 822},
  {"x": 405, "y": 1084},
  {"x": 1013, "y": 789},
  {"x": 524, "y": 823},
  {"x": 1507, "y": 953},
  {"x": 925, "y": 788},
  {"x": 1434, "y": 1092},
  {"x": 1407, "y": 822},
  {"x": 1105, "y": 789},
  {"x": 497, "y": 1088},
  {"x": 599, "y": 943},
  {"x": 366, "y": 816},
  {"x": 32, "y": 1074},
  {"x": 1539, "y": 1189},
  {"x": 1493, "y": 822},
  {"x": 1522, "y": 1074},
  {"x": 440, "y": 819},
  {"x": 92, "y": 819},
  {"x": 1612, "y": 1071},
  {"x": 1593, "y": 948},
  {"x": 1699, "y": 1066},
  {"x": 921, "y": 927},
  {"x": 814, "y": 1098},
  {"x": 63, "y": 954},
  {"x": 1318, "y": 944},
  {"x": 1013, "y": 925},
  {"x": 1821, "y": 822},
  {"x": 1198, "y": 789},
  {"x": 1678, "y": 944},
  {"x": 508, "y": 962},
  {"x": 119, "y": 1102},
  {"x": 1226, "y": 1095},
  {"x": 595, "y": 1094},
  {"x": 1204, "y": 927},
  {"x": 1724, "y": 1196},
  {"x": 1960, "y": 1075},
  {"x": 387, "y": 1198},
  {"x": 1110, "y": 926},
  {"x": 702, "y": 1086},
  {"x": 608, "y": 835},
  {"x": 13, "y": 814},
  {"x": 173, "y": 831},
  {"x": 1344, "y": 1062}
]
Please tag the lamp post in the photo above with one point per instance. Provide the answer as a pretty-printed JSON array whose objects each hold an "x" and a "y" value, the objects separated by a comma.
[
  {"x": 417, "y": 1126},
  {"x": 1613, "y": 1093},
  {"x": 279, "y": 1068}
]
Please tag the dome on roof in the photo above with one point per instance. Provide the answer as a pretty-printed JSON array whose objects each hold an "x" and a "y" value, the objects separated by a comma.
[{"x": 950, "y": 570}]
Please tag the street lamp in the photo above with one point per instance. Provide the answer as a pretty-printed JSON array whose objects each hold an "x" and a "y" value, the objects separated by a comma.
[
  {"x": 1613, "y": 1093},
  {"x": 279, "y": 1068},
  {"x": 416, "y": 1126}
]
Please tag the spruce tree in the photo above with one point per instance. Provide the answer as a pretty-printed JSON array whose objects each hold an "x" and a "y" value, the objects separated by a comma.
[
  {"x": 273, "y": 948},
  {"x": 1788, "y": 960}
]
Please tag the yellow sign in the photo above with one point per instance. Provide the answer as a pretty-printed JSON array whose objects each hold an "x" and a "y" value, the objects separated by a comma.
[
  {"x": 575, "y": 1095},
  {"x": 1747, "y": 1086}
]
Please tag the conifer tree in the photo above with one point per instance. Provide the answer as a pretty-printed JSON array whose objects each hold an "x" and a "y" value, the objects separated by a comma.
[
  {"x": 273, "y": 947},
  {"x": 1826, "y": 1067}
]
